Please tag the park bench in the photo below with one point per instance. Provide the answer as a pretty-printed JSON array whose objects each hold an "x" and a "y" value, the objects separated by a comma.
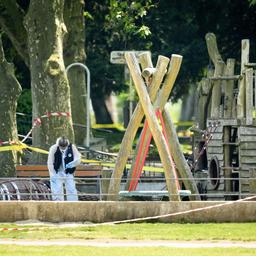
[
  {"x": 89, "y": 183},
  {"x": 25, "y": 171}
]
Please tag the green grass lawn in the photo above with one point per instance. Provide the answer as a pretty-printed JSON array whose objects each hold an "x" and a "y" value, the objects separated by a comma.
[
  {"x": 11, "y": 250},
  {"x": 142, "y": 231}
]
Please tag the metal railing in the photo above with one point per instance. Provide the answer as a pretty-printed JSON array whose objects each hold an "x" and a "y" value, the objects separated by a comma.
[{"x": 96, "y": 189}]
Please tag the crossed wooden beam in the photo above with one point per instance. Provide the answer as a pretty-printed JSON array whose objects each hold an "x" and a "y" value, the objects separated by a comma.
[{"x": 145, "y": 107}]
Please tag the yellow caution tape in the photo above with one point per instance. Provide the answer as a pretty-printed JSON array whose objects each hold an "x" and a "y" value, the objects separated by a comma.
[
  {"x": 185, "y": 133},
  {"x": 184, "y": 123},
  {"x": 22, "y": 146},
  {"x": 12, "y": 147},
  {"x": 39, "y": 150},
  {"x": 108, "y": 126},
  {"x": 91, "y": 161},
  {"x": 152, "y": 169},
  {"x": 121, "y": 127},
  {"x": 128, "y": 166}
]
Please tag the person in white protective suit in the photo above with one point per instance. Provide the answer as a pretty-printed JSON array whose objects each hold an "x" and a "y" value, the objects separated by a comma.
[{"x": 62, "y": 161}]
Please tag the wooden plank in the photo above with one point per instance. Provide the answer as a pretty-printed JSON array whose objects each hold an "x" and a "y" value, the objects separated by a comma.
[
  {"x": 252, "y": 182},
  {"x": 247, "y": 146},
  {"x": 245, "y": 48},
  {"x": 42, "y": 171},
  {"x": 254, "y": 92},
  {"x": 217, "y": 136},
  {"x": 245, "y": 130},
  {"x": 251, "y": 153},
  {"x": 212, "y": 48},
  {"x": 247, "y": 138},
  {"x": 244, "y": 171},
  {"x": 210, "y": 155},
  {"x": 215, "y": 143},
  {"x": 250, "y": 65},
  {"x": 117, "y": 57},
  {"x": 231, "y": 144},
  {"x": 45, "y": 168},
  {"x": 246, "y": 167},
  {"x": 212, "y": 125},
  {"x": 229, "y": 122},
  {"x": 245, "y": 183},
  {"x": 249, "y": 96},
  {"x": 229, "y": 90},
  {"x": 214, "y": 150},
  {"x": 244, "y": 174},
  {"x": 219, "y": 156},
  {"x": 182, "y": 166},
  {"x": 203, "y": 102},
  {"x": 245, "y": 186},
  {"x": 247, "y": 160},
  {"x": 31, "y": 167},
  {"x": 226, "y": 78},
  {"x": 216, "y": 92},
  {"x": 38, "y": 173}
]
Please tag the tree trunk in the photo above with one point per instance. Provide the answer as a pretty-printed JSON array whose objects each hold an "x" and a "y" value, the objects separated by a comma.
[
  {"x": 10, "y": 91},
  {"x": 101, "y": 112},
  {"x": 74, "y": 44},
  {"x": 11, "y": 20},
  {"x": 188, "y": 107},
  {"x": 49, "y": 85}
]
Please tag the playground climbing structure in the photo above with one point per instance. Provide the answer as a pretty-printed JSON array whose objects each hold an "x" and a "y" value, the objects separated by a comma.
[
  {"x": 225, "y": 136},
  {"x": 151, "y": 100}
]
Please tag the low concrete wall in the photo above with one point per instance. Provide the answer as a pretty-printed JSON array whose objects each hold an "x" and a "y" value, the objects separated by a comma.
[{"x": 105, "y": 211}]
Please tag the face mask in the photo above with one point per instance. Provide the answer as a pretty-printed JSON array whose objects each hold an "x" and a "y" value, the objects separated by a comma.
[{"x": 62, "y": 150}]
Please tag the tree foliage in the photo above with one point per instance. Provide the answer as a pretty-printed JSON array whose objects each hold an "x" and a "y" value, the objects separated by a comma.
[
  {"x": 164, "y": 27},
  {"x": 180, "y": 27},
  {"x": 113, "y": 25}
]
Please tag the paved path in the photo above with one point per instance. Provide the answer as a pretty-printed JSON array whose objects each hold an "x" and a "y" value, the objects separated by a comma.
[{"x": 131, "y": 243}]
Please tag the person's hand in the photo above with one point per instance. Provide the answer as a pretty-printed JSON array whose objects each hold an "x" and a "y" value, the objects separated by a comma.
[{"x": 70, "y": 165}]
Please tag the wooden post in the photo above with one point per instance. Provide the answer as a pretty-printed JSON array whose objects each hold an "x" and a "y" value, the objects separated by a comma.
[
  {"x": 219, "y": 65},
  {"x": 105, "y": 179},
  {"x": 178, "y": 156},
  {"x": 252, "y": 182},
  {"x": 162, "y": 98},
  {"x": 146, "y": 62},
  {"x": 212, "y": 48},
  {"x": 216, "y": 91},
  {"x": 241, "y": 95},
  {"x": 126, "y": 144},
  {"x": 204, "y": 89},
  {"x": 229, "y": 88},
  {"x": 249, "y": 96},
  {"x": 153, "y": 125}
]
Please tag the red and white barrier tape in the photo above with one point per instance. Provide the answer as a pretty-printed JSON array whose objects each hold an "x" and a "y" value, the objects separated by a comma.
[
  {"x": 38, "y": 121},
  {"x": 22, "y": 229},
  {"x": 10, "y": 142}
]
